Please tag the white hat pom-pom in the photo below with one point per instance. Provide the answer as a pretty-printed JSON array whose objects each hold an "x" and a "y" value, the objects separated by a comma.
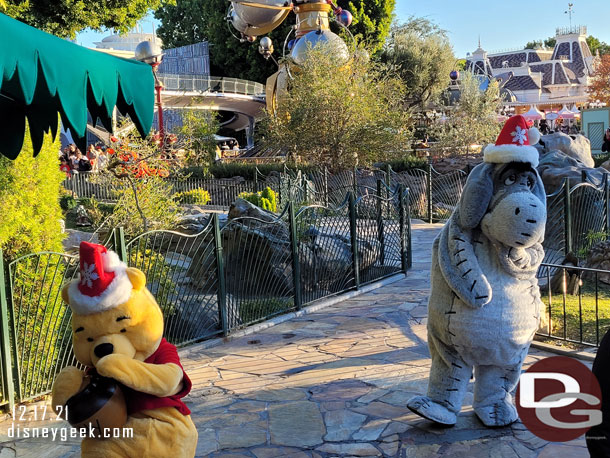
[{"x": 533, "y": 135}]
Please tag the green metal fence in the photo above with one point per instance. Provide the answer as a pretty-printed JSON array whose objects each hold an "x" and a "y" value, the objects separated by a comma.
[{"x": 207, "y": 284}]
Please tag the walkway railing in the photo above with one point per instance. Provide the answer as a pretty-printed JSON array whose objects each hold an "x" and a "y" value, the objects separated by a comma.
[
  {"x": 196, "y": 83},
  {"x": 207, "y": 284}
]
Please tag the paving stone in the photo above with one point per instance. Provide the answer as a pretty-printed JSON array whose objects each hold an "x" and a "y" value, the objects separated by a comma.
[
  {"x": 296, "y": 424},
  {"x": 397, "y": 398},
  {"x": 422, "y": 451},
  {"x": 277, "y": 452},
  {"x": 248, "y": 406},
  {"x": 371, "y": 431},
  {"x": 395, "y": 427},
  {"x": 223, "y": 420},
  {"x": 206, "y": 442},
  {"x": 346, "y": 448},
  {"x": 383, "y": 410},
  {"x": 241, "y": 436},
  {"x": 341, "y": 424},
  {"x": 390, "y": 447},
  {"x": 345, "y": 390},
  {"x": 285, "y": 394},
  {"x": 563, "y": 451}
]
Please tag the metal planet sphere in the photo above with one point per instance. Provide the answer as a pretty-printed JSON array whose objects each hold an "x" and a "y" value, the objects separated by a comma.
[
  {"x": 345, "y": 18},
  {"x": 454, "y": 75}
]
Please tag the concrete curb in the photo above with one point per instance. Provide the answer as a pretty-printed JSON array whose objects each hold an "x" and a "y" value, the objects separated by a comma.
[
  {"x": 314, "y": 307},
  {"x": 578, "y": 354}
]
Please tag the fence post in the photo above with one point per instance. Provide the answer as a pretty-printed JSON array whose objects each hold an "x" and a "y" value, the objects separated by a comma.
[
  {"x": 355, "y": 180},
  {"x": 9, "y": 388},
  {"x": 405, "y": 230},
  {"x": 296, "y": 264},
  {"x": 607, "y": 202},
  {"x": 567, "y": 216},
  {"x": 220, "y": 273},
  {"x": 429, "y": 190},
  {"x": 119, "y": 244},
  {"x": 255, "y": 179},
  {"x": 325, "y": 186},
  {"x": 380, "y": 234},
  {"x": 354, "y": 237}
]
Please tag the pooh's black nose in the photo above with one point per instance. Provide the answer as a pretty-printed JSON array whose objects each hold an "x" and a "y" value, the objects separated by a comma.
[{"x": 103, "y": 349}]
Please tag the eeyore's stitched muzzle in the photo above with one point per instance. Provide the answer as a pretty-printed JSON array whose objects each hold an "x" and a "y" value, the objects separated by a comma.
[{"x": 518, "y": 220}]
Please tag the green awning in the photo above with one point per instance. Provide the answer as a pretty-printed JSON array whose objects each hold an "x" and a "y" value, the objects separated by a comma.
[{"x": 41, "y": 75}]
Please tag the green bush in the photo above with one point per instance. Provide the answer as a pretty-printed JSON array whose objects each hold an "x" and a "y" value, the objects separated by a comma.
[
  {"x": 265, "y": 199},
  {"x": 194, "y": 196},
  {"x": 253, "y": 310},
  {"x": 29, "y": 200},
  {"x": 234, "y": 169},
  {"x": 405, "y": 164},
  {"x": 67, "y": 202},
  {"x": 599, "y": 159}
]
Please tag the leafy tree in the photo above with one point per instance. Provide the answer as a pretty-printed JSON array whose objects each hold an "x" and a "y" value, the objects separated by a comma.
[
  {"x": 420, "y": 53},
  {"x": 191, "y": 21},
  {"x": 595, "y": 45},
  {"x": 339, "y": 114},
  {"x": 66, "y": 18},
  {"x": 548, "y": 43},
  {"x": 599, "y": 89},
  {"x": 473, "y": 121},
  {"x": 196, "y": 137},
  {"x": 29, "y": 200}
]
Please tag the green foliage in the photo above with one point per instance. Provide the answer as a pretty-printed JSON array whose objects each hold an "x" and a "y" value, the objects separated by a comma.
[
  {"x": 339, "y": 114},
  {"x": 371, "y": 20},
  {"x": 265, "y": 199},
  {"x": 196, "y": 137},
  {"x": 159, "y": 275},
  {"x": 548, "y": 43},
  {"x": 420, "y": 53},
  {"x": 152, "y": 197},
  {"x": 597, "y": 45},
  {"x": 194, "y": 196},
  {"x": 29, "y": 200},
  {"x": 67, "y": 202},
  {"x": 236, "y": 169},
  {"x": 599, "y": 159},
  {"x": 66, "y": 18},
  {"x": 253, "y": 310},
  {"x": 473, "y": 121},
  {"x": 404, "y": 164},
  {"x": 192, "y": 21}
]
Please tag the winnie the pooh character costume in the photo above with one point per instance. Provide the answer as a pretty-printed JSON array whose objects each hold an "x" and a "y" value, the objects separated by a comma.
[{"x": 118, "y": 333}]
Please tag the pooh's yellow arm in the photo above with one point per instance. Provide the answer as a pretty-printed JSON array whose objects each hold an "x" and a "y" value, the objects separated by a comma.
[
  {"x": 157, "y": 379},
  {"x": 67, "y": 383}
]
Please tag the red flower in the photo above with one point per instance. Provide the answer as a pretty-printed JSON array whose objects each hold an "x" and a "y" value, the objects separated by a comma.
[
  {"x": 113, "y": 139},
  {"x": 110, "y": 151}
]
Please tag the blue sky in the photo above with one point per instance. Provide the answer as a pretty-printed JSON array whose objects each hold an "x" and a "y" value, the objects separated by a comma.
[{"x": 501, "y": 25}]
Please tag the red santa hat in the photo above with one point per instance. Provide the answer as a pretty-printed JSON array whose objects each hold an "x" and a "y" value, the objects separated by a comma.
[
  {"x": 103, "y": 283},
  {"x": 514, "y": 144}
]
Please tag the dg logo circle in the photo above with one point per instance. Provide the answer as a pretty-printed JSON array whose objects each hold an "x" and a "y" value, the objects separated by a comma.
[{"x": 559, "y": 399}]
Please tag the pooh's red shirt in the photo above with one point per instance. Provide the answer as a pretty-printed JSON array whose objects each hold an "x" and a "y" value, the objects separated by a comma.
[{"x": 136, "y": 401}]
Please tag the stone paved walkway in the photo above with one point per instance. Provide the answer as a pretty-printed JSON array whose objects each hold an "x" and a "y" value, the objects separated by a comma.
[{"x": 332, "y": 383}]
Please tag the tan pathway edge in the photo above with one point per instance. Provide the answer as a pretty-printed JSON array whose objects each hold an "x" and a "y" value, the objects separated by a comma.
[{"x": 331, "y": 382}]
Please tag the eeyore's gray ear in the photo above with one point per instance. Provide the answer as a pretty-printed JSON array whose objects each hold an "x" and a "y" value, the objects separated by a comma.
[
  {"x": 476, "y": 195},
  {"x": 539, "y": 188}
]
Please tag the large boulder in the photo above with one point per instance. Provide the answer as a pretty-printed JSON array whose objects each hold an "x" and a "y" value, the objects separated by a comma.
[
  {"x": 599, "y": 258},
  {"x": 555, "y": 166},
  {"x": 575, "y": 146}
]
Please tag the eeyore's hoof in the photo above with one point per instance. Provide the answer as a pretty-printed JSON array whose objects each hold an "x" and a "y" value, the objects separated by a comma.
[
  {"x": 430, "y": 410},
  {"x": 497, "y": 415}
]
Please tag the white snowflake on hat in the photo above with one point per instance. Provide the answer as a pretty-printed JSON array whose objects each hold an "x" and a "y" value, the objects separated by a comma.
[
  {"x": 88, "y": 274},
  {"x": 519, "y": 135},
  {"x": 514, "y": 144},
  {"x": 103, "y": 282}
]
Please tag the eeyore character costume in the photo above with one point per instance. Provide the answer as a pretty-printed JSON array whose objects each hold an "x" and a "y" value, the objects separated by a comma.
[{"x": 484, "y": 305}]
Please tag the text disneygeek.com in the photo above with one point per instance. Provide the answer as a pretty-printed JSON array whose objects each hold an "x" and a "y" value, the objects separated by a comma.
[{"x": 63, "y": 434}]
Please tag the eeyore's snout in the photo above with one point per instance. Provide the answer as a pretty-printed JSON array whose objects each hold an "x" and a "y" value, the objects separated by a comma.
[{"x": 517, "y": 220}]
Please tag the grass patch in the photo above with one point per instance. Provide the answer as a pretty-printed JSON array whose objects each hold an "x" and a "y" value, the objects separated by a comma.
[{"x": 574, "y": 304}]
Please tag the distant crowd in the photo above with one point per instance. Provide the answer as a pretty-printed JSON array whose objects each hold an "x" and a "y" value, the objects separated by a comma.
[{"x": 72, "y": 160}]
